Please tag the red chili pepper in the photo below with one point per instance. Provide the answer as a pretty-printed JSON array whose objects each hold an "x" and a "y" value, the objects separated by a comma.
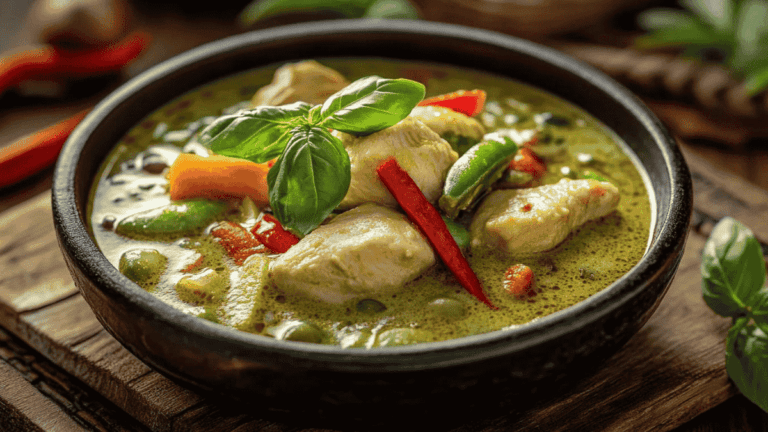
[
  {"x": 527, "y": 161},
  {"x": 237, "y": 241},
  {"x": 427, "y": 218},
  {"x": 467, "y": 102},
  {"x": 35, "y": 152},
  {"x": 518, "y": 280},
  {"x": 269, "y": 231},
  {"x": 50, "y": 61}
]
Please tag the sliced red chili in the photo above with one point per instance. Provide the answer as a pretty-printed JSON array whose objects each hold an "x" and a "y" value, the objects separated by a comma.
[
  {"x": 50, "y": 61},
  {"x": 467, "y": 102},
  {"x": 36, "y": 151},
  {"x": 269, "y": 231},
  {"x": 518, "y": 280},
  {"x": 427, "y": 218},
  {"x": 237, "y": 241},
  {"x": 527, "y": 161}
]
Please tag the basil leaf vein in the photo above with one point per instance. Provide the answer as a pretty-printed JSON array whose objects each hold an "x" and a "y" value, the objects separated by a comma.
[
  {"x": 732, "y": 268},
  {"x": 309, "y": 180},
  {"x": 370, "y": 104},
  {"x": 257, "y": 135}
]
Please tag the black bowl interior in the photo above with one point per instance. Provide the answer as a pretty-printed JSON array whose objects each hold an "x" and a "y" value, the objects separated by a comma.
[{"x": 164, "y": 330}]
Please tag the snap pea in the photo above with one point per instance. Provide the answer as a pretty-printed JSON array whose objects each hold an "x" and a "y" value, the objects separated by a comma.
[
  {"x": 475, "y": 171},
  {"x": 181, "y": 218}
]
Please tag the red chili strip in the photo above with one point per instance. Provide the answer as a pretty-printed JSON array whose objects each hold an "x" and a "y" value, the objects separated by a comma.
[
  {"x": 269, "y": 231},
  {"x": 527, "y": 161},
  {"x": 50, "y": 61},
  {"x": 427, "y": 218},
  {"x": 469, "y": 103},
  {"x": 36, "y": 151}
]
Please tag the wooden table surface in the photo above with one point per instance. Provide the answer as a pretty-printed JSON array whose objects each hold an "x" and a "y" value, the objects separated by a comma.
[{"x": 40, "y": 390}]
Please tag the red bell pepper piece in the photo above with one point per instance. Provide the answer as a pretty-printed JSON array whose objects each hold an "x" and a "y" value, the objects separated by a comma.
[
  {"x": 518, "y": 280},
  {"x": 36, "y": 151},
  {"x": 237, "y": 241},
  {"x": 427, "y": 218},
  {"x": 51, "y": 61},
  {"x": 467, "y": 102},
  {"x": 269, "y": 231},
  {"x": 527, "y": 161}
]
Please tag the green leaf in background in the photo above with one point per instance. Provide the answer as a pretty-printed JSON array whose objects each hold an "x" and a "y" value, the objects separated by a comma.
[
  {"x": 257, "y": 135},
  {"x": 392, "y": 9},
  {"x": 756, "y": 81},
  {"x": 683, "y": 32},
  {"x": 746, "y": 360},
  {"x": 758, "y": 305},
  {"x": 370, "y": 104},
  {"x": 718, "y": 13},
  {"x": 732, "y": 268},
  {"x": 309, "y": 179}
]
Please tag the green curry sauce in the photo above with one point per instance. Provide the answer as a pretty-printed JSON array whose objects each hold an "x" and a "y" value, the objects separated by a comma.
[{"x": 434, "y": 306}]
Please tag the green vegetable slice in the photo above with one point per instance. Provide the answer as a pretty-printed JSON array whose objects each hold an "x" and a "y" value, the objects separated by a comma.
[
  {"x": 181, "y": 218},
  {"x": 475, "y": 171}
]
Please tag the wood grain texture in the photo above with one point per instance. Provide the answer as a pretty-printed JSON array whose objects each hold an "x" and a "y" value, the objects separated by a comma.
[
  {"x": 668, "y": 374},
  {"x": 24, "y": 408}
]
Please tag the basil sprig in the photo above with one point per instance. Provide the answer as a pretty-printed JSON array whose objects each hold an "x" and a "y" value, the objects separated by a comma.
[
  {"x": 733, "y": 285},
  {"x": 312, "y": 172}
]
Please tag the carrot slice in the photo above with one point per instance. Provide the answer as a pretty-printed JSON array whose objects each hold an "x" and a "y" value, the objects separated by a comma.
[
  {"x": 467, "y": 102},
  {"x": 218, "y": 177}
]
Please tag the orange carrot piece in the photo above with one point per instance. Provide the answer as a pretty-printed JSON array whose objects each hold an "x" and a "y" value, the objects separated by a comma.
[
  {"x": 518, "y": 281},
  {"x": 218, "y": 177}
]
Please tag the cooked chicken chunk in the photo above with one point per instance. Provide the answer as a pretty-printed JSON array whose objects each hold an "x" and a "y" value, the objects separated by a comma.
[
  {"x": 418, "y": 149},
  {"x": 537, "y": 219},
  {"x": 447, "y": 122},
  {"x": 367, "y": 251},
  {"x": 306, "y": 81}
]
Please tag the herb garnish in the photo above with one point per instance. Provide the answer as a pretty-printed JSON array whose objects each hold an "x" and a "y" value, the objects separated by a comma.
[
  {"x": 736, "y": 29},
  {"x": 262, "y": 9},
  {"x": 312, "y": 173},
  {"x": 733, "y": 284}
]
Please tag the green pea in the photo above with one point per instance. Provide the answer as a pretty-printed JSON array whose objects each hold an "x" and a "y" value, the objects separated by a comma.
[
  {"x": 458, "y": 232},
  {"x": 300, "y": 331},
  {"x": 181, "y": 218},
  {"x": 403, "y": 336},
  {"x": 447, "y": 308},
  {"x": 475, "y": 171},
  {"x": 143, "y": 266}
]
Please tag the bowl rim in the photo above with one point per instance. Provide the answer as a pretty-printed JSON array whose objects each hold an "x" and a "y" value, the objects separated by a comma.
[{"x": 75, "y": 239}]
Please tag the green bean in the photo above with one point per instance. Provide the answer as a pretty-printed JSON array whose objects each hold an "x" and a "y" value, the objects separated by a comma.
[
  {"x": 475, "y": 171},
  {"x": 178, "y": 219}
]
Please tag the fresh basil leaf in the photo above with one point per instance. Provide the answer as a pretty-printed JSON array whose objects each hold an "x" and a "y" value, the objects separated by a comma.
[
  {"x": 309, "y": 180},
  {"x": 370, "y": 104},
  {"x": 751, "y": 24},
  {"x": 756, "y": 81},
  {"x": 662, "y": 18},
  {"x": 718, "y": 13},
  {"x": 257, "y": 135},
  {"x": 692, "y": 32},
  {"x": 392, "y": 9},
  {"x": 758, "y": 305},
  {"x": 746, "y": 359},
  {"x": 732, "y": 268},
  {"x": 262, "y": 9}
]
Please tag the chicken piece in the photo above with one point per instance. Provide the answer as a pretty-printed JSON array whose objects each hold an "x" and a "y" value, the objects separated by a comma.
[
  {"x": 448, "y": 123},
  {"x": 367, "y": 251},
  {"x": 306, "y": 81},
  {"x": 538, "y": 219},
  {"x": 419, "y": 150}
]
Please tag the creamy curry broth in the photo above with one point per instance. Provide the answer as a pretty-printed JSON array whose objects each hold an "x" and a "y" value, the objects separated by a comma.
[{"x": 432, "y": 307}]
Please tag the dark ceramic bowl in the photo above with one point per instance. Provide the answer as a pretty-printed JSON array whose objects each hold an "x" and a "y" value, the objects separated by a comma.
[{"x": 517, "y": 361}]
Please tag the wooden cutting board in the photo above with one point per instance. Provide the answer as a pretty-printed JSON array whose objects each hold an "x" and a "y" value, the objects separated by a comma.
[{"x": 671, "y": 371}]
